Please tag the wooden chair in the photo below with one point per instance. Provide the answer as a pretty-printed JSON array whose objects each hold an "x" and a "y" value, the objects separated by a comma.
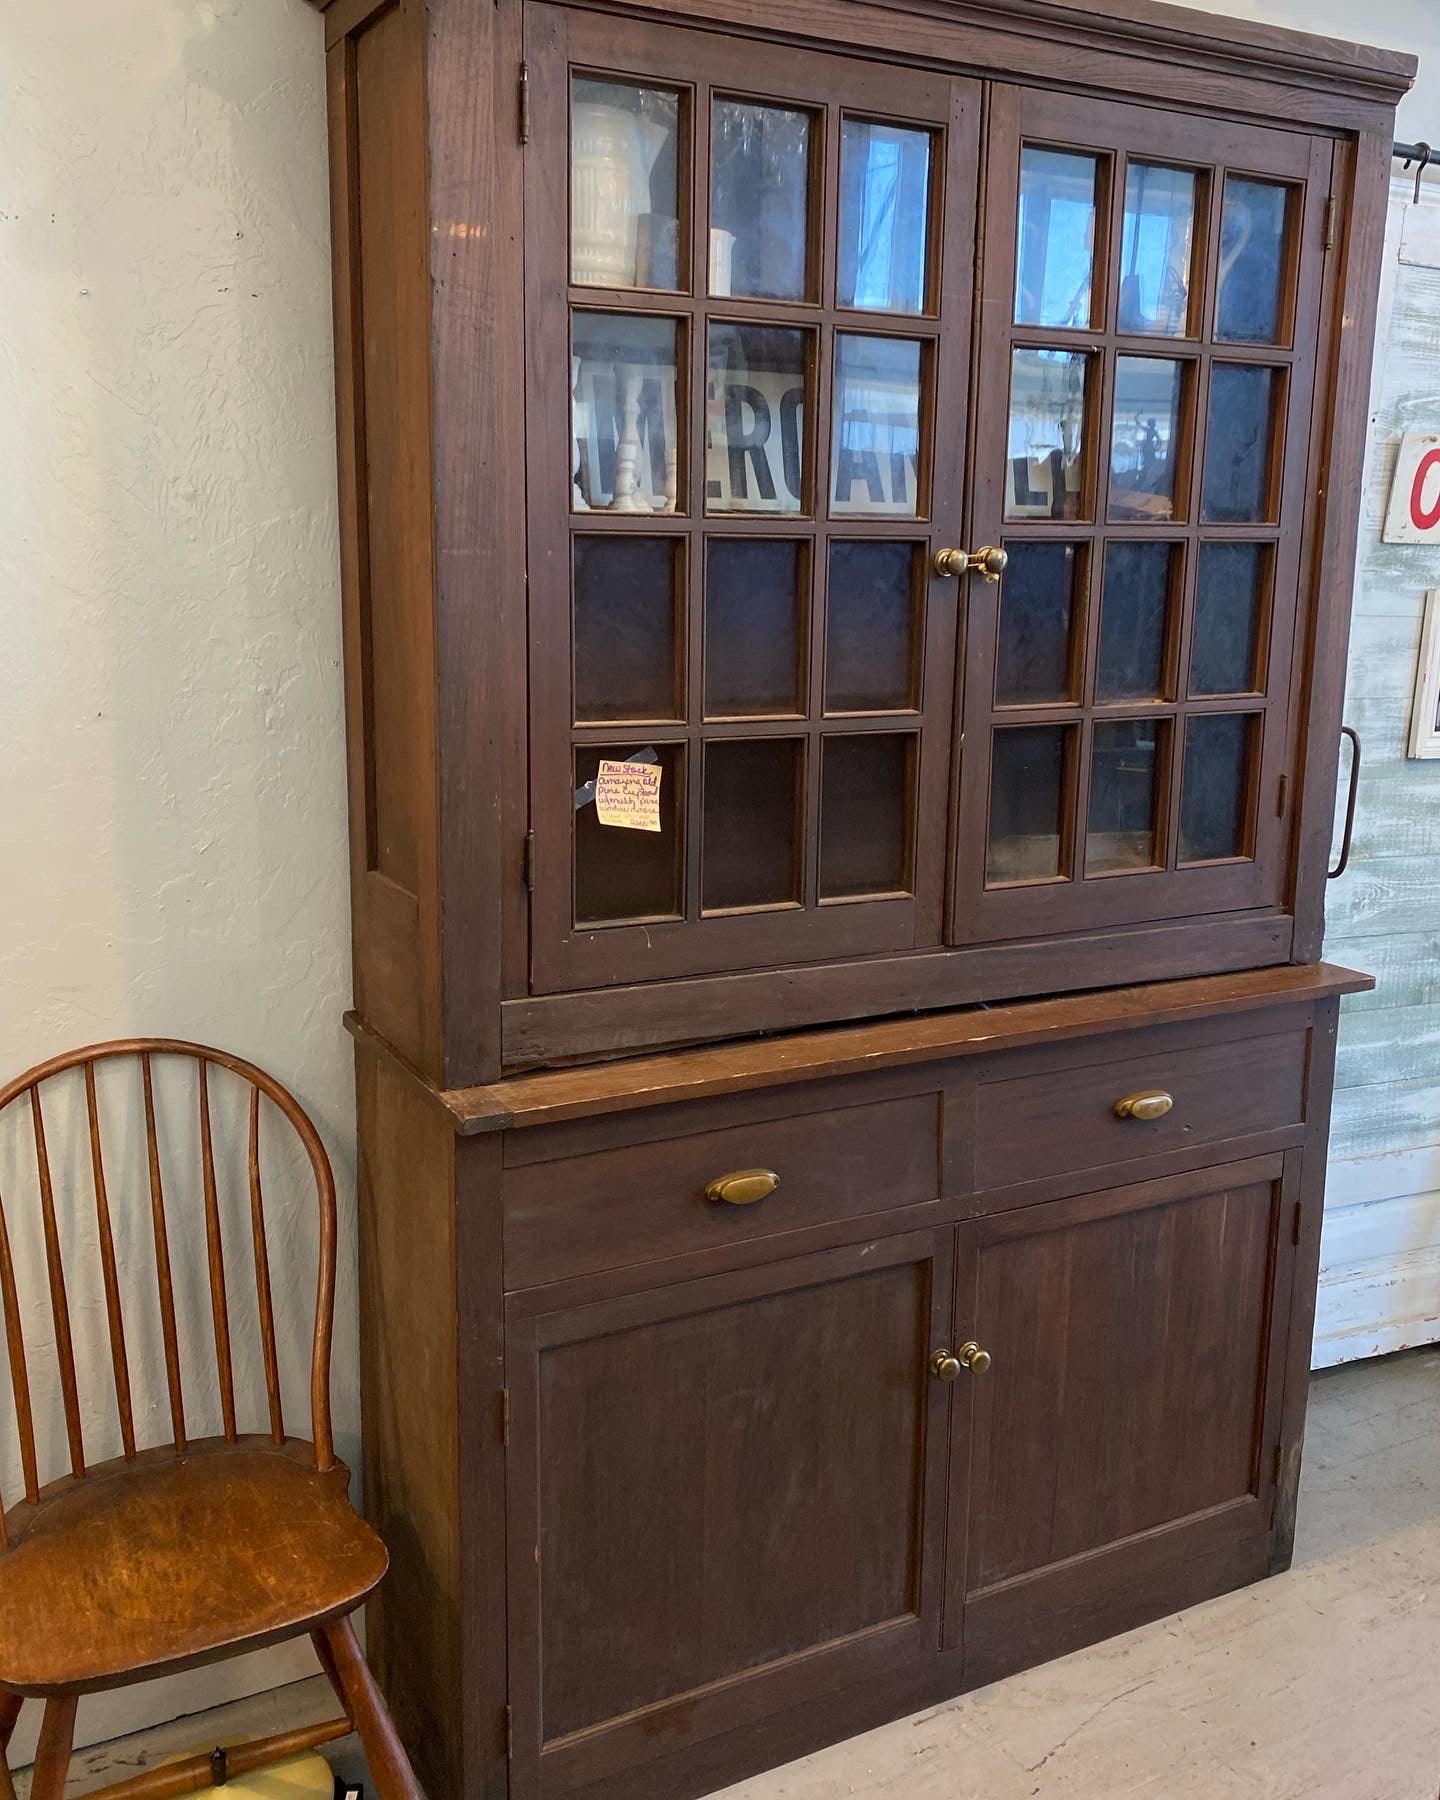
[{"x": 201, "y": 1548}]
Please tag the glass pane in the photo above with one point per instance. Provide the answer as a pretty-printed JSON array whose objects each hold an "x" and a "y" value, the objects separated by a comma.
[
  {"x": 1135, "y": 622},
  {"x": 1055, "y": 241},
  {"x": 871, "y": 634},
  {"x": 1252, "y": 262},
  {"x": 626, "y": 632},
  {"x": 884, "y": 216},
  {"x": 752, "y": 823},
  {"x": 1155, "y": 250},
  {"x": 622, "y": 874},
  {"x": 754, "y": 628},
  {"x": 1214, "y": 802},
  {"x": 1029, "y": 776},
  {"x": 1124, "y": 786},
  {"x": 1034, "y": 654},
  {"x": 1144, "y": 448},
  {"x": 1238, "y": 442},
  {"x": 625, "y": 449},
  {"x": 1046, "y": 471},
  {"x": 866, "y": 799},
  {"x": 755, "y": 419},
  {"x": 1229, "y": 598},
  {"x": 759, "y": 201},
  {"x": 624, "y": 185},
  {"x": 876, "y": 440}
]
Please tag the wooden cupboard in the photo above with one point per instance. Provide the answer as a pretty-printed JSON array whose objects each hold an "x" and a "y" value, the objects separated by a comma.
[{"x": 847, "y": 526}]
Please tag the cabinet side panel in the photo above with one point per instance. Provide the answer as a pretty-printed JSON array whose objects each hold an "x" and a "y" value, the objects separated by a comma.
[
  {"x": 382, "y": 295},
  {"x": 410, "y": 1402}
]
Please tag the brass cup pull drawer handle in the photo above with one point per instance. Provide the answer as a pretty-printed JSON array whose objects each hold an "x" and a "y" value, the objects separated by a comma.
[
  {"x": 743, "y": 1188},
  {"x": 1154, "y": 1103},
  {"x": 947, "y": 1364}
]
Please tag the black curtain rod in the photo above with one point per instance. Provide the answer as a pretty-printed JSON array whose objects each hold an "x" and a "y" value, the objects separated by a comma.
[{"x": 1421, "y": 153}]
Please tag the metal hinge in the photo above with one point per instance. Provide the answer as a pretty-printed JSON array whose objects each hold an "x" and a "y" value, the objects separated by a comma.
[
  {"x": 530, "y": 862},
  {"x": 505, "y": 1416},
  {"x": 1282, "y": 794},
  {"x": 524, "y": 103},
  {"x": 509, "y": 1732},
  {"x": 1295, "y": 1223},
  {"x": 1332, "y": 219}
]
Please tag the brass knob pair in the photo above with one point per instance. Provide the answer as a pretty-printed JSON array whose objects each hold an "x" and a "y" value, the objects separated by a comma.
[
  {"x": 989, "y": 562},
  {"x": 947, "y": 1364}
]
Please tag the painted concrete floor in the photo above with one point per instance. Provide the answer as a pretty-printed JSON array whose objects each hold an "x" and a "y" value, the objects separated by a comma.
[{"x": 1321, "y": 1682}]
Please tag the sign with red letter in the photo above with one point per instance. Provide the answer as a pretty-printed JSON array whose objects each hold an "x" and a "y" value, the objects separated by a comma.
[{"x": 1414, "y": 515}]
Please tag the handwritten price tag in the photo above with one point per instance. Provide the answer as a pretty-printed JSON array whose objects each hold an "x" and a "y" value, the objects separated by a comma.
[{"x": 627, "y": 794}]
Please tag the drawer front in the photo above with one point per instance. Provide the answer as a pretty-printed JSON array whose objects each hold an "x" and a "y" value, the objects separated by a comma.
[
  {"x": 611, "y": 1208},
  {"x": 1065, "y": 1119}
]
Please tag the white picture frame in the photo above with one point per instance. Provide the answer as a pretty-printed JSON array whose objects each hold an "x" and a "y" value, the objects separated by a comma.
[{"x": 1425, "y": 710}]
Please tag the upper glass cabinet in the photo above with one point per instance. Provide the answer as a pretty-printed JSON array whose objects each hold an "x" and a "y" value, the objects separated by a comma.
[
  {"x": 742, "y": 605},
  {"x": 1146, "y": 386}
]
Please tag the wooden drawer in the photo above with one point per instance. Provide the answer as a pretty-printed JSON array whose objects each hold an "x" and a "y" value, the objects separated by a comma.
[
  {"x": 1062, "y": 1119},
  {"x": 613, "y": 1207}
]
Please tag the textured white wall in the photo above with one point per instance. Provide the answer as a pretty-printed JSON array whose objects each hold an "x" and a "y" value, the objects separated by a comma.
[{"x": 172, "y": 806}]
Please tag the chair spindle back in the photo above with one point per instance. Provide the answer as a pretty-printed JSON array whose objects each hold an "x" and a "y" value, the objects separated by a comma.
[{"x": 27, "y": 1090}]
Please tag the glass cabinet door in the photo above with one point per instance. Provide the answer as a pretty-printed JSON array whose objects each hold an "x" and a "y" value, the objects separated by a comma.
[
  {"x": 1143, "y": 431},
  {"x": 745, "y": 431}
]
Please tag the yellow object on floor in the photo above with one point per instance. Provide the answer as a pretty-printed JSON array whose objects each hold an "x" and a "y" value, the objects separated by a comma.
[{"x": 305, "y": 1777}]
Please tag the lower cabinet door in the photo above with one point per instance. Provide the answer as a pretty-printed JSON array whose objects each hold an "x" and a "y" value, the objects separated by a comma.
[
  {"x": 726, "y": 1498},
  {"x": 1122, "y": 1462}
]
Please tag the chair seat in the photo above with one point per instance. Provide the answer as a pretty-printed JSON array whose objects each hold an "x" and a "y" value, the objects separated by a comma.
[{"x": 169, "y": 1560}]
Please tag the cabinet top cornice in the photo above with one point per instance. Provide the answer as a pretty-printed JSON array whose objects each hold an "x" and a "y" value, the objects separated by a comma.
[{"x": 1242, "y": 48}]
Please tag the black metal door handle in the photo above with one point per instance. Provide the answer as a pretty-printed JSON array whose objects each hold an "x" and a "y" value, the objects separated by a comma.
[{"x": 1350, "y": 732}]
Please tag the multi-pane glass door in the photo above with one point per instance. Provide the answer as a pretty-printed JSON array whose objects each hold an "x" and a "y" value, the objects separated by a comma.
[
  {"x": 1151, "y": 290},
  {"x": 746, "y": 427}
]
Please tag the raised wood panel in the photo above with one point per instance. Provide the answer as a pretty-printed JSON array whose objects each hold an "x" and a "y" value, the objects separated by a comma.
[
  {"x": 1130, "y": 1371},
  {"x": 730, "y": 1485}
]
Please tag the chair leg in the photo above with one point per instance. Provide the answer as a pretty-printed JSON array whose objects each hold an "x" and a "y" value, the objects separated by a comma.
[
  {"x": 327, "y": 1664},
  {"x": 389, "y": 1765},
  {"x": 52, "y": 1759}
]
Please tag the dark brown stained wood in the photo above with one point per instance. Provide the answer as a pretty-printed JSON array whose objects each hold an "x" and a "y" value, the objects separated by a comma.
[
  {"x": 560, "y": 1094},
  {"x": 1131, "y": 1337},
  {"x": 671, "y": 1490},
  {"x": 1032, "y": 1125},
  {"x": 1362, "y": 183},
  {"x": 650, "y": 1200},
  {"x": 1242, "y": 48},
  {"x": 1308, "y": 1195},
  {"x": 695, "y": 1554},
  {"x": 476, "y": 268},
  {"x": 562, "y": 1028},
  {"x": 382, "y": 309},
  {"x": 409, "y": 1374},
  {"x": 182, "y": 1553}
]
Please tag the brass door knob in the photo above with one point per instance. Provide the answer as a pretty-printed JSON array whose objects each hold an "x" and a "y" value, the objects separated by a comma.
[
  {"x": 947, "y": 1364},
  {"x": 989, "y": 561},
  {"x": 976, "y": 1360},
  {"x": 743, "y": 1188},
  {"x": 1154, "y": 1103}
]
